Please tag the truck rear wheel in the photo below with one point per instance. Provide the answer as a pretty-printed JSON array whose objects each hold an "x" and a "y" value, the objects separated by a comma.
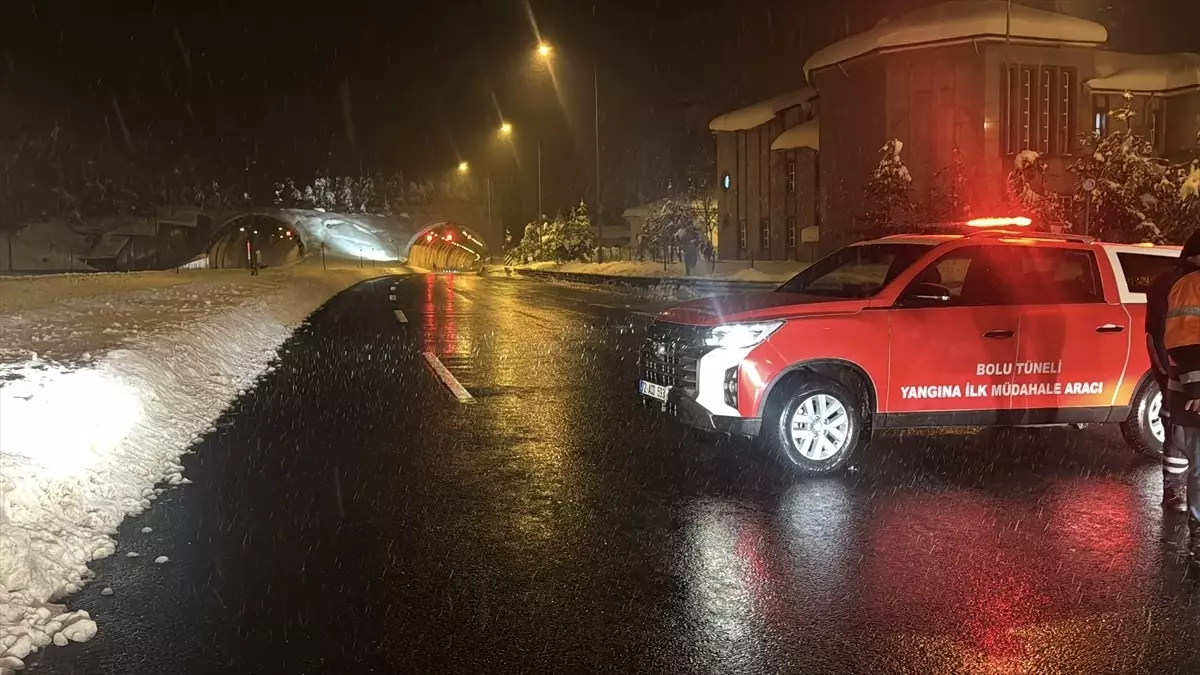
[
  {"x": 1144, "y": 430},
  {"x": 814, "y": 425}
]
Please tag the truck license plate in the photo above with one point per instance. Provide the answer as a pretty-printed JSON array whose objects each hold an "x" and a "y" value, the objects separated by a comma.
[{"x": 652, "y": 390}]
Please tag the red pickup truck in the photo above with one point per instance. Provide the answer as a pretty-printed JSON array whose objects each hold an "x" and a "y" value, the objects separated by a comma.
[{"x": 992, "y": 327}]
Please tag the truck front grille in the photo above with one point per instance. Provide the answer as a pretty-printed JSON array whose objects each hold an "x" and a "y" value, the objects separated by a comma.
[{"x": 671, "y": 354}]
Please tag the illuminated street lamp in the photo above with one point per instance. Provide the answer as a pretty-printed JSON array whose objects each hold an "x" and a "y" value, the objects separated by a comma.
[
  {"x": 545, "y": 52},
  {"x": 506, "y": 129},
  {"x": 463, "y": 167}
]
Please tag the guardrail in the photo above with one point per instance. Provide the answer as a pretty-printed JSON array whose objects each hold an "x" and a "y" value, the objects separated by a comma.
[{"x": 695, "y": 283}]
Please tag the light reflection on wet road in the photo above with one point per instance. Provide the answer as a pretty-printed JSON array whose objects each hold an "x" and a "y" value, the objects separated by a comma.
[{"x": 552, "y": 525}]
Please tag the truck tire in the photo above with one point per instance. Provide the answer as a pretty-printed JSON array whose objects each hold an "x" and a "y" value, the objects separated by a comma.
[
  {"x": 1144, "y": 430},
  {"x": 814, "y": 425}
]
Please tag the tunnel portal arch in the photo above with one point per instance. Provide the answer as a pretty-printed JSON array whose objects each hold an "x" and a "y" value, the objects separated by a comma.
[
  {"x": 277, "y": 240},
  {"x": 448, "y": 245}
]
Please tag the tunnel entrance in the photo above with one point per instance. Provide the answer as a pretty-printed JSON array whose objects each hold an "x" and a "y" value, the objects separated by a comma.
[
  {"x": 448, "y": 247},
  {"x": 274, "y": 242}
]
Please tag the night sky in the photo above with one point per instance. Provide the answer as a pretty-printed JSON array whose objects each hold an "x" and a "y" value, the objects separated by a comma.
[{"x": 416, "y": 86}]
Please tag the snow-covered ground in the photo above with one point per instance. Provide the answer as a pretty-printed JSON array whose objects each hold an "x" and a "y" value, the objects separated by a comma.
[
  {"x": 771, "y": 270},
  {"x": 105, "y": 380}
]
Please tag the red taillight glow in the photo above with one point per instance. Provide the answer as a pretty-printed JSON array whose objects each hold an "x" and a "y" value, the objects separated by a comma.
[
  {"x": 429, "y": 237},
  {"x": 449, "y": 236},
  {"x": 1019, "y": 221}
]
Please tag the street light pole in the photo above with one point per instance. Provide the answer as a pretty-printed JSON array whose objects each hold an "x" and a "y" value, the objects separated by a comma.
[
  {"x": 596, "y": 101},
  {"x": 539, "y": 162}
]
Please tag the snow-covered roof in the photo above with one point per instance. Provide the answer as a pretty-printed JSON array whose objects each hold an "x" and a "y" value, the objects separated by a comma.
[
  {"x": 803, "y": 135},
  {"x": 958, "y": 21},
  {"x": 763, "y": 112},
  {"x": 1158, "y": 73}
]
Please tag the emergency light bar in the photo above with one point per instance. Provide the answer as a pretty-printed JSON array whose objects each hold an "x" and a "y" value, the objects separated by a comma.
[{"x": 1019, "y": 221}]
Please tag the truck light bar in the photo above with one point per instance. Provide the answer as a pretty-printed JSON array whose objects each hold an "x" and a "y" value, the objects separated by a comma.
[{"x": 1019, "y": 221}]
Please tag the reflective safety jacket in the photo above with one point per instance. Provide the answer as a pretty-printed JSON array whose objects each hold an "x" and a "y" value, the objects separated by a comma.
[
  {"x": 1156, "y": 319},
  {"x": 1182, "y": 339}
]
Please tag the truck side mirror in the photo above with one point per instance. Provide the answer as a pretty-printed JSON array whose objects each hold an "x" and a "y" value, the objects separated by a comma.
[{"x": 925, "y": 294}]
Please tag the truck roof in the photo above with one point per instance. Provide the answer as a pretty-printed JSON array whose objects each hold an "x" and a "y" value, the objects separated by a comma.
[{"x": 934, "y": 239}]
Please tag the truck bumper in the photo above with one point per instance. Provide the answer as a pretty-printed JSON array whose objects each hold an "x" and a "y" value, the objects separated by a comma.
[{"x": 687, "y": 411}]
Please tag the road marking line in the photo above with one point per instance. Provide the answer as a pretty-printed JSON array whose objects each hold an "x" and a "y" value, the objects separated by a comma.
[
  {"x": 460, "y": 392},
  {"x": 392, "y": 298},
  {"x": 400, "y": 316}
]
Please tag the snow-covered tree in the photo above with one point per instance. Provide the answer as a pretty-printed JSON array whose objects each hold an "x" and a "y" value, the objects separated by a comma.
[
  {"x": 286, "y": 194},
  {"x": 888, "y": 193},
  {"x": 1133, "y": 190},
  {"x": 948, "y": 198},
  {"x": 562, "y": 239},
  {"x": 1027, "y": 191},
  {"x": 679, "y": 222},
  {"x": 576, "y": 236}
]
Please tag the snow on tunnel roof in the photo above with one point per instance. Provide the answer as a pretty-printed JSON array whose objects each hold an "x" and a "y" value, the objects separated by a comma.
[
  {"x": 1146, "y": 72},
  {"x": 960, "y": 20},
  {"x": 803, "y": 135},
  {"x": 760, "y": 113}
]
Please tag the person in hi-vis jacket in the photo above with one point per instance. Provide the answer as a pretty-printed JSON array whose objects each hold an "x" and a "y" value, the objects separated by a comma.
[
  {"x": 1175, "y": 464},
  {"x": 1182, "y": 340}
]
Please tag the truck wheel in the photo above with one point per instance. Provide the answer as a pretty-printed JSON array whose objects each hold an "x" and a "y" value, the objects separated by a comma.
[
  {"x": 814, "y": 425},
  {"x": 1144, "y": 430}
]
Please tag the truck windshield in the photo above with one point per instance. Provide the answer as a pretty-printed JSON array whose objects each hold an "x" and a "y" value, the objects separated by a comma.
[{"x": 855, "y": 271}]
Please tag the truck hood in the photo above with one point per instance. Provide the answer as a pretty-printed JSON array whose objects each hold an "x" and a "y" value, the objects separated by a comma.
[{"x": 757, "y": 307}]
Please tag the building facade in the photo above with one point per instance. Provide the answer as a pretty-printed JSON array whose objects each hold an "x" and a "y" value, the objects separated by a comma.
[
  {"x": 767, "y": 177},
  {"x": 946, "y": 81}
]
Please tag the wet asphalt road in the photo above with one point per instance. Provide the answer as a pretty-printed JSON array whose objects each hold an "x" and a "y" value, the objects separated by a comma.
[{"x": 350, "y": 516}]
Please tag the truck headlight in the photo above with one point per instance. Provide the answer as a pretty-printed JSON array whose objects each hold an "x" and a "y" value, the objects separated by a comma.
[{"x": 740, "y": 335}]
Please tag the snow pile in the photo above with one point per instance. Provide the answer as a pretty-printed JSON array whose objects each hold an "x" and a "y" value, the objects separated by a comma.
[
  {"x": 89, "y": 432},
  {"x": 960, "y": 20}
]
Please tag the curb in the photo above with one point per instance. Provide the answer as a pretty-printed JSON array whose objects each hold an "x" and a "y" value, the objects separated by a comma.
[{"x": 699, "y": 284}]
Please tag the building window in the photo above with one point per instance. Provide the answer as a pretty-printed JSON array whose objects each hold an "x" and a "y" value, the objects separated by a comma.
[
  {"x": 1044, "y": 114},
  {"x": 791, "y": 232},
  {"x": 1152, "y": 129},
  {"x": 1037, "y": 109},
  {"x": 1025, "y": 110},
  {"x": 1065, "y": 128},
  {"x": 791, "y": 176},
  {"x": 764, "y": 227},
  {"x": 743, "y": 240},
  {"x": 1100, "y": 116}
]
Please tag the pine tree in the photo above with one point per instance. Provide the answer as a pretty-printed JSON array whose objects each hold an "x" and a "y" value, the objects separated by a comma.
[
  {"x": 577, "y": 240},
  {"x": 888, "y": 193},
  {"x": 1133, "y": 188},
  {"x": 948, "y": 202}
]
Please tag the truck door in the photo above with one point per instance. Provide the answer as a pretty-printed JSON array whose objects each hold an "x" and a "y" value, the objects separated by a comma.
[
  {"x": 1073, "y": 346},
  {"x": 956, "y": 352}
]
